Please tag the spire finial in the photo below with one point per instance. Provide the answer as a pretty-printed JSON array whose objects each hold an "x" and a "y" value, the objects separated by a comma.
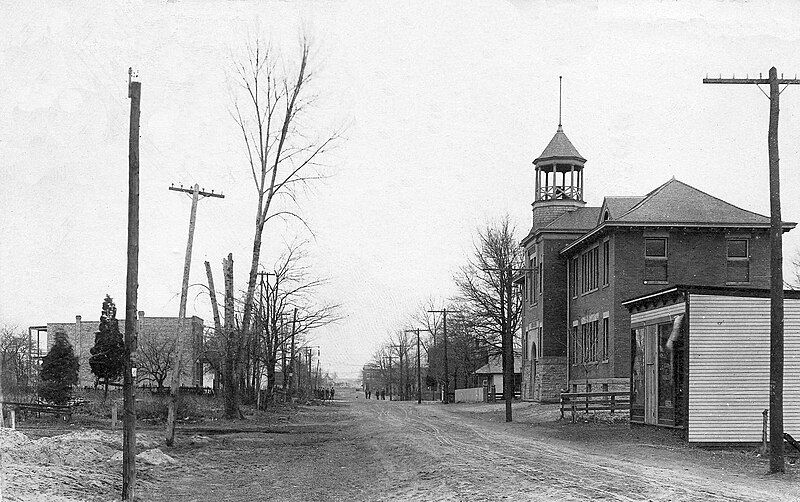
[{"x": 559, "y": 102}]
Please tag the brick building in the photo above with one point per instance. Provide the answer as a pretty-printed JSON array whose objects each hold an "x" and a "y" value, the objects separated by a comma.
[
  {"x": 585, "y": 261},
  {"x": 81, "y": 335}
]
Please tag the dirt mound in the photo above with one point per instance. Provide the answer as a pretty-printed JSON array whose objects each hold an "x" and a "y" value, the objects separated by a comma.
[
  {"x": 75, "y": 448},
  {"x": 155, "y": 457},
  {"x": 55, "y": 468},
  {"x": 11, "y": 439}
]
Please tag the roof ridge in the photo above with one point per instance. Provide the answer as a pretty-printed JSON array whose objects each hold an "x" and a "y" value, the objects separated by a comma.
[{"x": 646, "y": 198}]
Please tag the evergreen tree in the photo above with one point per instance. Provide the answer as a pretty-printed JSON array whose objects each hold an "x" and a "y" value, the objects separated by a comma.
[
  {"x": 59, "y": 371},
  {"x": 109, "y": 347}
]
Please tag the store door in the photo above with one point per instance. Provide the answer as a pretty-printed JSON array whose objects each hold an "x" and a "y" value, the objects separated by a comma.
[{"x": 651, "y": 375}]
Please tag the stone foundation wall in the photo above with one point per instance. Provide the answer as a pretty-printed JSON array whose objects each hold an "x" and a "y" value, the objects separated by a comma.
[
  {"x": 527, "y": 380},
  {"x": 550, "y": 380}
]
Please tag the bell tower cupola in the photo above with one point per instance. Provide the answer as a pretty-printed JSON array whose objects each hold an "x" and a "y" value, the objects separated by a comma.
[{"x": 559, "y": 177}]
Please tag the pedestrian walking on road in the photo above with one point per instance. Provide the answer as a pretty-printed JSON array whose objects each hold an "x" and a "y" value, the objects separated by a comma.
[{"x": 333, "y": 391}]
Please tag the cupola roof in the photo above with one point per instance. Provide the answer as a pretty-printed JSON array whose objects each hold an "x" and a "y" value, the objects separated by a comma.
[{"x": 559, "y": 148}]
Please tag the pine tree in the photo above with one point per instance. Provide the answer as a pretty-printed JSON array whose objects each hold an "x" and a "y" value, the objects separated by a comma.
[
  {"x": 109, "y": 347},
  {"x": 59, "y": 371}
]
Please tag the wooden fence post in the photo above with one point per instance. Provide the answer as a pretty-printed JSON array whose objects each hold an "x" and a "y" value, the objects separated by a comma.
[{"x": 764, "y": 448}]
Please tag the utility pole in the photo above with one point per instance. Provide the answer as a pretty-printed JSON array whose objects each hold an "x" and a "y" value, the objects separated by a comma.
[
  {"x": 776, "y": 459},
  {"x": 131, "y": 297},
  {"x": 419, "y": 374},
  {"x": 399, "y": 348},
  {"x": 291, "y": 353},
  {"x": 390, "y": 376},
  {"x": 444, "y": 312},
  {"x": 176, "y": 369}
]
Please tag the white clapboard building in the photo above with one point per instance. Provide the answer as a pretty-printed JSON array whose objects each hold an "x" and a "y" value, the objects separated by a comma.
[{"x": 700, "y": 361}]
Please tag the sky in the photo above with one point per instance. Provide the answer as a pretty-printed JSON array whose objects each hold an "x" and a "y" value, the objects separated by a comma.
[{"x": 443, "y": 107}]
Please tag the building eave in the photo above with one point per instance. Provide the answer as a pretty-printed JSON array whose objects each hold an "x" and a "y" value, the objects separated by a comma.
[{"x": 787, "y": 226}]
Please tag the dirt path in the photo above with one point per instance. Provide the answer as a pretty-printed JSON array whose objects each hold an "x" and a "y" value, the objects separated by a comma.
[{"x": 387, "y": 451}]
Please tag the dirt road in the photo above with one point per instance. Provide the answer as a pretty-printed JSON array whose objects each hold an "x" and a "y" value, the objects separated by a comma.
[{"x": 380, "y": 450}]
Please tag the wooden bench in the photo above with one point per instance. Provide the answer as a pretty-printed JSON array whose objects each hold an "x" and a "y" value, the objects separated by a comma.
[{"x": 594, "y": 401}]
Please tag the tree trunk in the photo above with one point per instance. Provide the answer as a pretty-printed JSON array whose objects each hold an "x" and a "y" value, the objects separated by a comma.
[{"x": 232, "y": 351}]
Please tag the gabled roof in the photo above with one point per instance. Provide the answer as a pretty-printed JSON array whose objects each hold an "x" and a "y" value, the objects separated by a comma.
[
  {"x": 495, "y": 366},
  {"x": 616, "y": 207},
  {"x": 676, "y": 204},
  {"x": 560, "y": 147}
]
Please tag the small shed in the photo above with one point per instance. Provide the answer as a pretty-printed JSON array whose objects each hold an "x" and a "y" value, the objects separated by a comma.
[
  {"x": 700, "y": 361},
  {"x": 491, "y": 374}
]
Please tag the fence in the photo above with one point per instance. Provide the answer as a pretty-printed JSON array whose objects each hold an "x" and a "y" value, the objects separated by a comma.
[
  {"x": 474, "y": 395},
  {"x": 575, "y": 402}
]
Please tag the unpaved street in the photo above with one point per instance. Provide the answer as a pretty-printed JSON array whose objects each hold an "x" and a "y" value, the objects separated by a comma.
[{"x": 381, "y": 450}]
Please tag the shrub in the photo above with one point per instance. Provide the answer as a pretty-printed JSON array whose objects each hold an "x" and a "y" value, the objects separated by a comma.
[{"x": 59, "y": 371}]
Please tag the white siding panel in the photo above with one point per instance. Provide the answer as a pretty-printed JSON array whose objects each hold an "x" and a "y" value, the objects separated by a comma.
[
  {"x": 729, "y": 367},
  {"x": 649, "y": 315}
]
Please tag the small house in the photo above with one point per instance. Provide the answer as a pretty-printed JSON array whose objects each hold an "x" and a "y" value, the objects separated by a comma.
[
  {"x": 490, "y": 376},
  {"x": 700, "y": 360}
]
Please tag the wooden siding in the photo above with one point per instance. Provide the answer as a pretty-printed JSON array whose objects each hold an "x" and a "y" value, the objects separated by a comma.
[
  {"x": 729, "y": 367},
  {"x": 658, "y": 313}
]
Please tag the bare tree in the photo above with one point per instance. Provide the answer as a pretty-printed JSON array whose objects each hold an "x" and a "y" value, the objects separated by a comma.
[
  {"x": 292, "y": 308},
  {"x": 13, "y": 359},
  {"x": 483, "y": 284},
  {"x": 155, "y": 358},
  {"x": 268, "y": 108}
]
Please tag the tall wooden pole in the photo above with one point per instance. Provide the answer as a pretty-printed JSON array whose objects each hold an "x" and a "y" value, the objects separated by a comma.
[
  {"x": 776, "y": 463},
  {"x": 131, "y": 290},
  {"x": 508, "y": 348},
  {"x": 178, "y": 363},
  {"x": 291, "y": 353},
  {"x": 776, "y": 459},
  {"x": 419, "y": 374}
]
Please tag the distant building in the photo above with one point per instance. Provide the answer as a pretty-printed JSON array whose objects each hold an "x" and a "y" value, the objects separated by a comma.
[
  {"x": 585, "y": 261},
  {"x": 81, "y": 335},
  {"x": 490, "y": 375}
]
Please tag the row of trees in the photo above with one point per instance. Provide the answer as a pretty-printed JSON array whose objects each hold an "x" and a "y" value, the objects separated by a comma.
[{"x": 476, "y": 318}]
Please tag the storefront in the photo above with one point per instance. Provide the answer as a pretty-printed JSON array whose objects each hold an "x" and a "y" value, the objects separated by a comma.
[{"x": 700, "y": 361}]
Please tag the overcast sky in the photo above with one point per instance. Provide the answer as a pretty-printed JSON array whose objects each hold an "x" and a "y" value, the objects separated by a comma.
[{"x": 444, "y": 105}]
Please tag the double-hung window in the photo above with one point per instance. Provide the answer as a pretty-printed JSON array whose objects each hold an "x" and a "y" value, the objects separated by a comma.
[
  {"x": 655, "y": 260},
  {"x": 590, "y": 272},
  {"x": 738, "y": 267},
  {"x": 606, "y": 262}
]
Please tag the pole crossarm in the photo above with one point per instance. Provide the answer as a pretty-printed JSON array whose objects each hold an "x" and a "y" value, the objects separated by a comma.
[
  {"x": 765, "y": 81},
  {"x": 201, "y": 192}
]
